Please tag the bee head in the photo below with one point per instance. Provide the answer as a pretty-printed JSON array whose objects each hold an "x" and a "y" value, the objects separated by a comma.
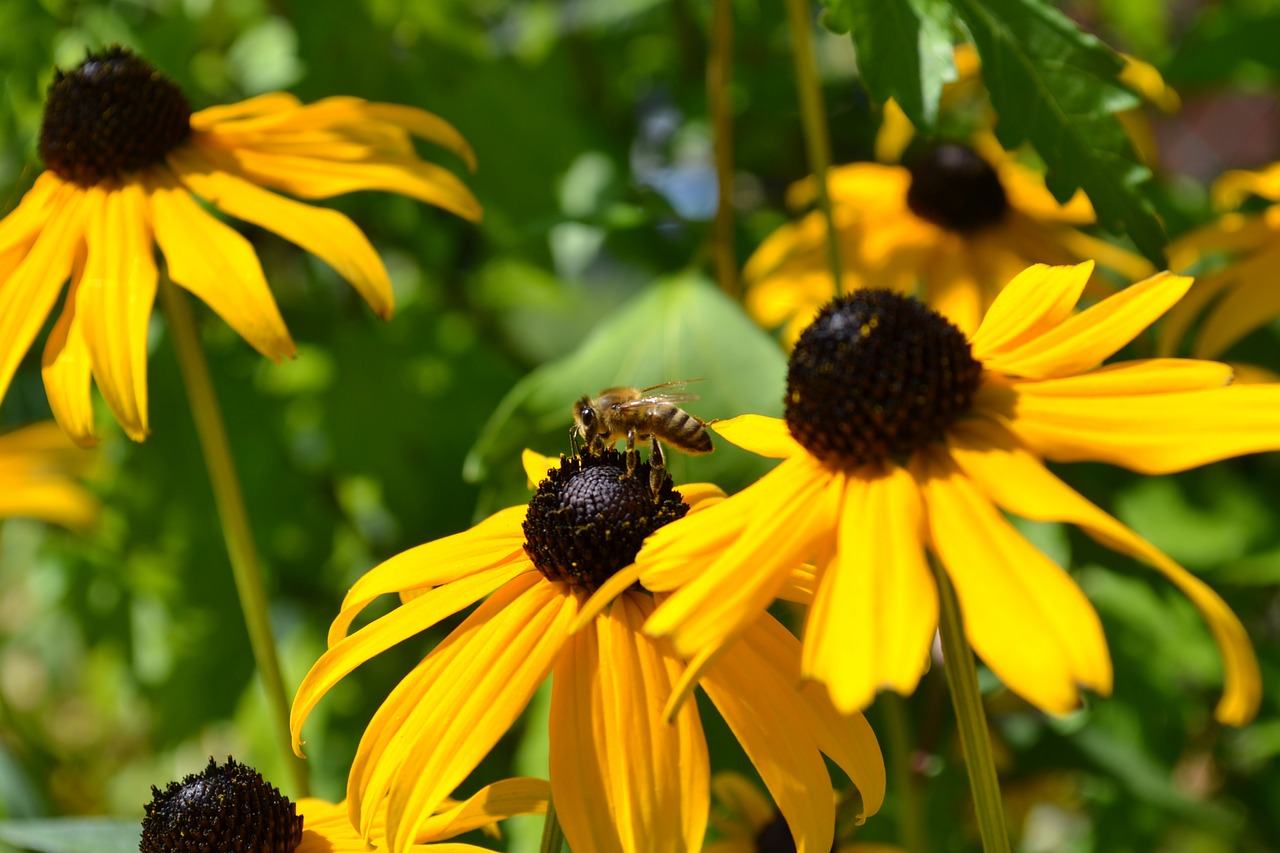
[{"x": 584, "y": 414}]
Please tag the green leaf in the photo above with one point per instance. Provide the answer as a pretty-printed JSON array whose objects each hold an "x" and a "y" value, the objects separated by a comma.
[
  {"x": 73, "y": 835},
  {"x": 904, "y": 51},
  {"x": 680, "y": 328},
  {"x": 1056, "y": 86}
]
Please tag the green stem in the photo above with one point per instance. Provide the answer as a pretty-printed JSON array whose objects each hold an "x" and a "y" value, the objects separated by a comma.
[
  {"x": 813, "y": 113},
  {"x": 720, "y": 103},
  {"x": 231, "y": 512},
  {"x": 552, "y": 834},
  {"x": 971, "y": 719},
  {"x": 896, "y": 718}
]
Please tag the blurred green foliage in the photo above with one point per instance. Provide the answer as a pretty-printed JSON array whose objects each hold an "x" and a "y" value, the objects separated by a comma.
[{"x": 123, "y": 657}]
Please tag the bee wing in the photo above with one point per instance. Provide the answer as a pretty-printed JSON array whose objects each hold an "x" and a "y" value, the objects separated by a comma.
[
  {"x": 676, "y": 385},
  {"x": 653, "y": 399}
]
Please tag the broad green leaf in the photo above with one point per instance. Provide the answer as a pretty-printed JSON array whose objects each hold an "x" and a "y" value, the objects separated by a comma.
[
  {"x": 679, "y": 329},
  {"x": 904, "y": 51},
  {"x": 73, "y": 835},
  {"x": 1055, "y": 86}
]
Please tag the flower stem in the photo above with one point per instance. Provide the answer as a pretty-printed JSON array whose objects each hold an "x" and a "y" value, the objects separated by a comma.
[
  {"x": 971, "y": 719},
  {"x": 720, "y": 104},
  {"x": 813, "y": 113},
  {"x": 896, "y": 716},
  {"x": 552, "y": 834},
  {"x": 231, "y": 512}
]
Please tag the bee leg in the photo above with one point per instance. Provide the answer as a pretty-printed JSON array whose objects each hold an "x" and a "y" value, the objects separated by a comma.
[
  {"x": 597, "y": 443},
  {"x": 657, "y": 466},
  {"x": 575, "y": 449},
  {"x": 633, "y": 455}
]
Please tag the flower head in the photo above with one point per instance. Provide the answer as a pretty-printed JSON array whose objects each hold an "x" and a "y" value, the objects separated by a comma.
[
  {"x": 559, "y": 594},
  {"x": 951, "y": 225},
  {"x": 125, "y": 159},
  {"x": 902, "y": 435},
  {"x": 38, "y": 467},
  {"x": 231, "y": 807},
  {"x": 1234, "y": 298}
]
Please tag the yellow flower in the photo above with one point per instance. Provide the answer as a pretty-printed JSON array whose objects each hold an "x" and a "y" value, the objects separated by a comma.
[
  {"x": 748, "y": 822},
  {"x": 557, "y": 596},
  {"x": 951, "y": 226},
  {"x": 901, "y": 436},
  {"x": 37, "y": 470},
  {"x": 125, "y": 160},
  {"x": 1241, "y": 296},
  {"x": 327, "y": 829}
]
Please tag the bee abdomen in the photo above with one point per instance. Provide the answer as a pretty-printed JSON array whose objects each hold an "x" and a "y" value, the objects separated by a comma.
[{"x": 689, "y": 433}]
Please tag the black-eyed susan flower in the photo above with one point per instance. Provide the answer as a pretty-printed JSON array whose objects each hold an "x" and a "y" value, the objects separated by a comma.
[
  {"x": 902, "y": 436},
  {"x": 231, "y": 807},
  {"x": 1234, "y": 298},
  {"x": 126, "y": 159},
  {"x": 951, "y": 225},
  {"x": 747, "y": 821},
  {"x": 556, "y": 596},
  {"x": 38, "y": 471}
]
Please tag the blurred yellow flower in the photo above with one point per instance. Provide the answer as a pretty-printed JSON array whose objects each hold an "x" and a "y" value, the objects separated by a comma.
[
  {"x": 902, "y": 435},
  {"x": 951, "y": 226},
  {"x": 627, "y": 773},
  {"x": 38, "y": 471},
  {"x": 125, "y": 160}
]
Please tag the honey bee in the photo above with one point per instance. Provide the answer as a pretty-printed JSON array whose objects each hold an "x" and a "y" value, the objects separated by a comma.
[{"x": 637, "y": 414}]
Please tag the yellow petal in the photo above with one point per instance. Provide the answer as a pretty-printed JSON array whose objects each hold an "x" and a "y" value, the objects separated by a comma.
[
  {"x": 496, "y": 541},
  {"x": 876, "y": 607},
  {"x": 895, "y": 134},
  {"x": 23, "y": 224},
  {"x": 1234, "y": 186},
  {"x": 618, "y": 583},
  {"x": 327, "y": 234},
  {"x": 313, "y": 177},
  {"x": 762, "y": 707},
  {"x": 28, "y": 294},
  {"x": 504, "y": 799},
  {"x": 423, "y": 125},
  {"x": 497, "y": 658},
  {"x": 37, "y": 464},
  {"x": 1151, "y": 433},
  {"x": 1247, "y": 306},
  {"x": 268, "y": 104},
  {"x": 216, "y": 264},
  {"x": 67, "y": 369},
  {"x": 623, "y": 779},
  {"x": 761, "y": 435},
  {"x": 400, "y": 624},
  {"x": 846, "y": 738},
  {"x": 114, "y": 303},
  {"x": 1085, "y": 339},
  {"x": 1124, "y": 379},
  {"x": 537, "y": 466},
  {"x": 1023, "y": 615},
  {"x": 1019, "y": 483},
  {"x": 1036, "y": 301},
  {"x": 787, "y": 515}
]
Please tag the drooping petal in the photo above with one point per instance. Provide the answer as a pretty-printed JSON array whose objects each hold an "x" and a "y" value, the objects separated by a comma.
[
  {"x": 1250, "y": 304},
  {"x": 763, "y": 436},
  {"x": 1018, "y": 482},
  {"x": 1084, "y": 340},
  {"x": 67, "y": 369},
  {"x": 761, "y": 704},
  {"x": 114, "y": 302},
  {"x": 327, "y": 234},
  {"x": 1034, "y": 302},
  {"x": 1150, "y": 433},
  {"x": 259, "y": 105},
  {"x": 405, "y": 621},
  {"x": 876, "y": 606},
  {"x": 497, "y": 658},
  {"x": 423, "y": 125},
  {"x": 1023, "y": 615},
  {"x": 498, "y": 540},
  {"x": 37, "y": 466},
  {"x": 623, "y": 778},
  {"x": 503, "y": 799},
  {"x": 23, "y": 224},
  {"x": 28, "y": 294},
  {"x": 846, "y": 738},
  {"x": 793, "y": 508},
  {"x": 216, "y": 264}
]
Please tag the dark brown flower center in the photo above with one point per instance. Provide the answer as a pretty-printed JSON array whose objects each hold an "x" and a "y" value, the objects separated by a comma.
[
  {"x": 954, "y": 188},
  {"x": 112, "y": 115},
  {"x": 589, "y": 517},
  {"x": 225, "y": 809},
  {"x": 876, "y": 376}
]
